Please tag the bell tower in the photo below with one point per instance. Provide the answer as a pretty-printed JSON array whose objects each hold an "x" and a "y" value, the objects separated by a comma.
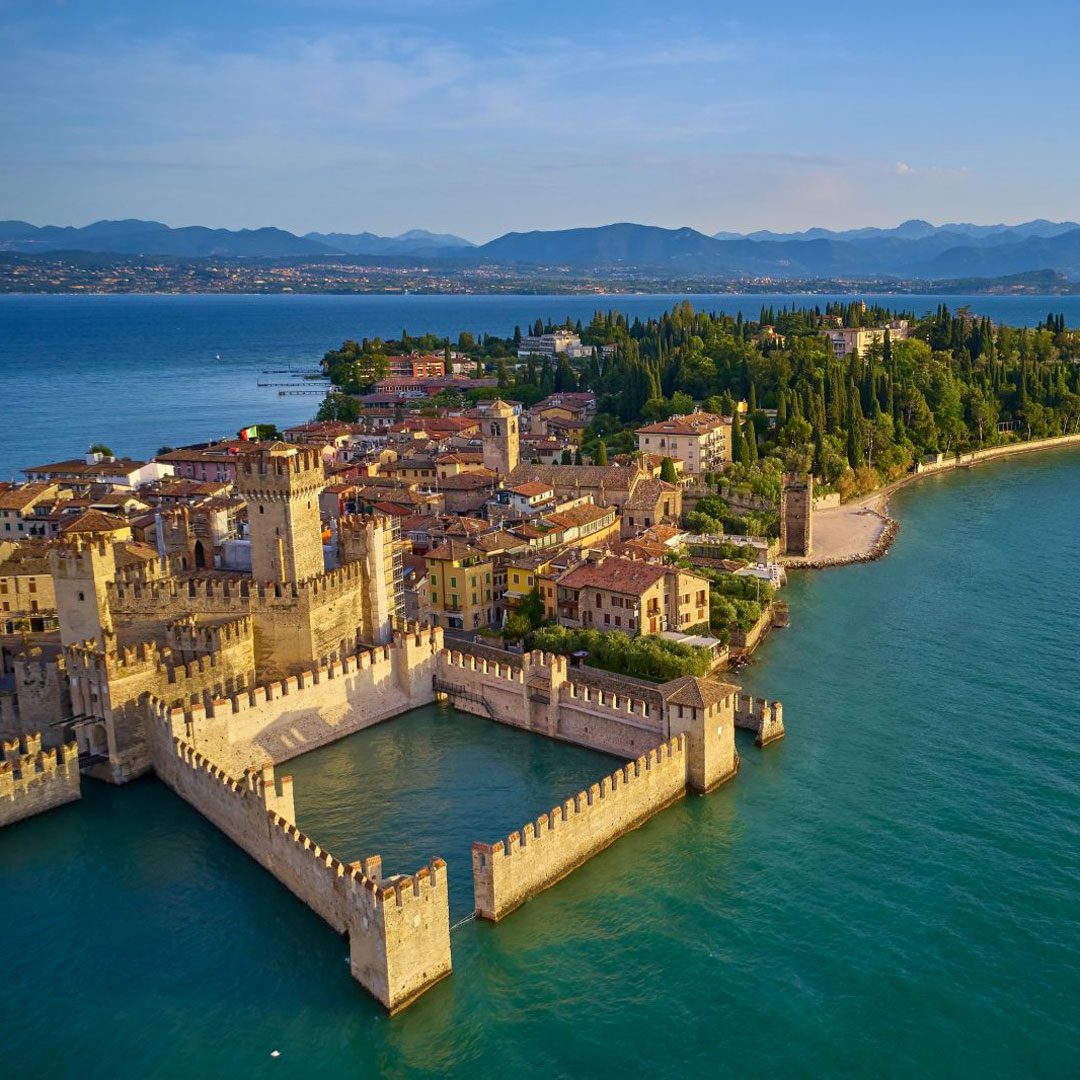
[
  {"x": 281, "y": 485},
  {"x": 499, "y": 430}
]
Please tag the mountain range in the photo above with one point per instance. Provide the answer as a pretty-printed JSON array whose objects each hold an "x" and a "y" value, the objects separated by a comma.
[{"x": 914, "y": 250}]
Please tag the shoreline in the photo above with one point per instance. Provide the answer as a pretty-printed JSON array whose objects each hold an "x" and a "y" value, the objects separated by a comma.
[{"x": 845, "y": 526}]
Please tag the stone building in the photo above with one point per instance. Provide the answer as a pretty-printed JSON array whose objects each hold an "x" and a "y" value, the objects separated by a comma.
[
  {"x": 607, "y": 593},
  {"x": 499, "y": 433},
  {"x": 797, "y": 515}
]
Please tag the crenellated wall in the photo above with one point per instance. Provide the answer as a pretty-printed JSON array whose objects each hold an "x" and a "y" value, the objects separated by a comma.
[
  {"x": 41, "y": 697},
  {"x": 507, "y": 873},
  {"x": 279, "y": 720},
  {"x": 33, "y": 780},
  {"x": 295, "y": 624},
  {"x": 764, "y": 718},
  {"x": 398, "y": 931},
  {"x": 535, "y": 693}
]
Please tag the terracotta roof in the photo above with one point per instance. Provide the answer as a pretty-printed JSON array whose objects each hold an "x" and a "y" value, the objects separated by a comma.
[
  {"x": 18, "y": 498},
  {"x": 579, "y": 515},
  {"x": 457, "y": 550},
  {"x": 533, "y": 487},
  {"x": 697, "y": 693},
  {"x": 569, "y": 476},
  {"x": 694, "y": 424},
  {"x": 616, "y": 575},
  {"x": 94, "y": 521},
  {"x": 469, "y": 481}
]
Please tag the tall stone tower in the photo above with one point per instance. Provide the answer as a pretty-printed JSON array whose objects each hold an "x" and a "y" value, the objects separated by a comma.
[
  {"x": 81, "y": 571},
  {"x": 281, "y": 485},
  {"x": 797, "y": 514},
  {"x": 373, "y": 540},
  {"x": 499, "y": 429},
  {"x": 704, "y": 711}
]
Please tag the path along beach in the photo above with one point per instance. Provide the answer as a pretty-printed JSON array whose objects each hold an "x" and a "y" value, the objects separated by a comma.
[{"x": 862, "y": 530}]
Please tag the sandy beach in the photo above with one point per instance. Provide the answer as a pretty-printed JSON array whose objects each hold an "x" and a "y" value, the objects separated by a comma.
[{"x": 862, "y": 530}]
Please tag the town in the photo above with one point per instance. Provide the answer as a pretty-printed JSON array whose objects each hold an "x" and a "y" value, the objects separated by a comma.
[
  {"x": 220, "y": 609},
  {"x": 456, "y": 527}
]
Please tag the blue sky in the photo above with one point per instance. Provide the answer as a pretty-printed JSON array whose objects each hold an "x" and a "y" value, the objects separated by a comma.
[{"x": 480, "y": 117}]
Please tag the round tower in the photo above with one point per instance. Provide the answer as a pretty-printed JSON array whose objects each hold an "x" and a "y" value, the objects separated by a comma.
[
  {"x": 281, "y": 485},
  {"x": 499, "y": 430}
]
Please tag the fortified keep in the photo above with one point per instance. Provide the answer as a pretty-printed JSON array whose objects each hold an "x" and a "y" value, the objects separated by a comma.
[{"x": 281, "y": 485}]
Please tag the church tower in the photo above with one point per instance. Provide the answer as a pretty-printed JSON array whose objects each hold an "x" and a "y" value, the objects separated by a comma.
[
  {"x": 281, "y": 485},
  {"x": 499, "y": 429}
]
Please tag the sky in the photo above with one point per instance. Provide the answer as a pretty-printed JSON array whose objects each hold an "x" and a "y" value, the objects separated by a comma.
[{"x": 479, "y": 117}]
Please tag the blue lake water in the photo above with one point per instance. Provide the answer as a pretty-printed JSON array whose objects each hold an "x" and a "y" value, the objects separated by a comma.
[{"x": 139, "y": 372}]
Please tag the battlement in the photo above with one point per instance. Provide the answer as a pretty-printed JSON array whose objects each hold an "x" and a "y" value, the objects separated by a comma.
[
  {"x": 188, "y": 635},
  {"x": 508, "y": 872},
  {"x": 81, "y": 557},
  {"x": 398, "y": 930},
  {"x": 764, "y": 718},
  {"x": 33, "y": 780},
  {"x": 622, "y": 704},
  {"x": 280, "y": 471},
  {"x": 494, "y": 669},
  {"x": 365, "y": 522}
]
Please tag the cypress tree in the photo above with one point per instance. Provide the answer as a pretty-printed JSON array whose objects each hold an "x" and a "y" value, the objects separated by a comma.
[{"x": 736, "y": 437}]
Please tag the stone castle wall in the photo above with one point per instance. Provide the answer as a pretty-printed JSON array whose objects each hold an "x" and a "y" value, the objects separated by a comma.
[
  {"x": 282, "y": 719},
  {"x": 535, "y": 694},
  {"x": 764, "y": 718},
  {"x": 112, "y": 687},
  {"x": 33, "y": 780},
  {"x": 399, "y": 934},
  {"x": 295, "y": 624},
  {"x": 507, "y": 873}
]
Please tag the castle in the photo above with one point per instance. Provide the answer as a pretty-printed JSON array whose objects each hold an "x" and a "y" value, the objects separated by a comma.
[{"x": 211, "y": 679}]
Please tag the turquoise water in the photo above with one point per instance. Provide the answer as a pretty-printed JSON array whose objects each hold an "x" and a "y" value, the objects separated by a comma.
[
  {"x": 139, "y": 372},
  {"x": 890, "y": 891}
]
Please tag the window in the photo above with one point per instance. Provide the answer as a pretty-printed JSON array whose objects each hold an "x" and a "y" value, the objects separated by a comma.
[
  {"x": 82, "y": 596},
  {"x": 607, "y": 619}
]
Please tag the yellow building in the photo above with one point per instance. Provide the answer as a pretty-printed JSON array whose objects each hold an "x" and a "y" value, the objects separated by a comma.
[
  {"x": 459, "y": 580},
  {"x": 523, "y": 569}
]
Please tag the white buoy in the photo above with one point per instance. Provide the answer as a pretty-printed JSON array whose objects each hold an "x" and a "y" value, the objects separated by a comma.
[{"x": 275, "y": 1053}]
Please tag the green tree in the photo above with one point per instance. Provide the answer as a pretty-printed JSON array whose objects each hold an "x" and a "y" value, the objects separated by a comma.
[
  {"x": 600, "y": 458},
  {"x": 667, "y": 471}
]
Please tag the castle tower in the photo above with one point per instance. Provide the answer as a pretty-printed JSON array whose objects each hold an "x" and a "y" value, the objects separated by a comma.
[
  {"x": 374, "y": 542},
  {"x": 499, "y": 430},
  {"x": 796, "y": 514},
  {"x": 281, "y": 485},
  {"x": 174, "y": 537},
  {"x": 80, "y": 572},
  {"x": 704, "y": 711}
]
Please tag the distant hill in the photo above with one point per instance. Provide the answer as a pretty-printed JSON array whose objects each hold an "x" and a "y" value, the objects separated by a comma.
[
  {"x": 413, "y": 242},
  {"x": 915, "y": 250},
  {"x": 134, "y": 237},
  {"x": 917, "y": 229}
]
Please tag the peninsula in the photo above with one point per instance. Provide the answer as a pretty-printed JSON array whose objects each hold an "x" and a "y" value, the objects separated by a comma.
[{"x": 575, "y": 530}]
